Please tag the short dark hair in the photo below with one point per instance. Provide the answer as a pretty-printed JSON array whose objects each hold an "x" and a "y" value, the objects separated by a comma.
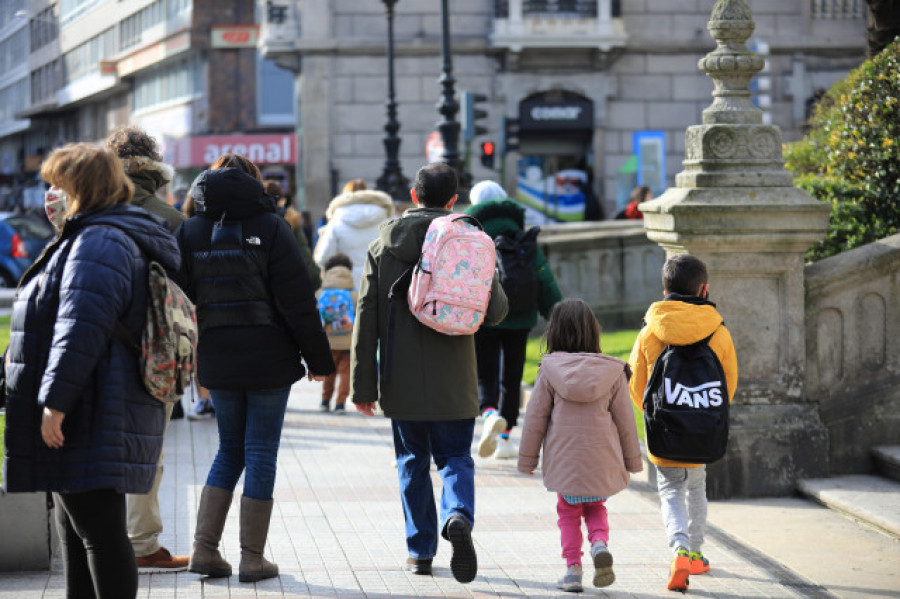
[
  {"x": 573, "y": 328},
  {"x": 338, "y": 260},
  {"x": 684, "y": 274},
  {"x": 435, "y": 184},
  {"x": 131, "y": 141}
]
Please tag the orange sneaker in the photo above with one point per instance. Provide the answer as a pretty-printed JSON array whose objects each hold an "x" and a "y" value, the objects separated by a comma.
[
  {"x": 679, "y": 571},
  {"x": 699, "y": 564}
]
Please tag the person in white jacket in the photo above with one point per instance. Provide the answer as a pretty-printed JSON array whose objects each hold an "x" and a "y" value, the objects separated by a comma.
[{"x": 353, "y": 221}]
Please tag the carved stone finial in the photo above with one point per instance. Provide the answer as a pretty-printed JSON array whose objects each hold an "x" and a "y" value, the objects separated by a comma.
[
  {"x": 732, "y": 147},
  {"x": 731, "y": 65}
]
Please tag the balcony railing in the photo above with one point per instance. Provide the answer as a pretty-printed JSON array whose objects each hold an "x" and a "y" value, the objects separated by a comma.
[
  {"x": 838, "y": 9},
  {"x": 519, "y": 24}
]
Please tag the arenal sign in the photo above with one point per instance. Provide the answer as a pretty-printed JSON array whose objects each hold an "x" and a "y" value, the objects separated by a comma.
[
  {"x": 555, "y": 111},
  {"x": 203, "y": 150}
]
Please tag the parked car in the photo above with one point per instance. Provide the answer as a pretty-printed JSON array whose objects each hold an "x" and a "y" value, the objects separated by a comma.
[{"x": 22, "y": 239}]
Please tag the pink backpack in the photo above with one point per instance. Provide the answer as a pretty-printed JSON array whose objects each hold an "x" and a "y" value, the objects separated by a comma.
[{"x": 451, "y": 284}]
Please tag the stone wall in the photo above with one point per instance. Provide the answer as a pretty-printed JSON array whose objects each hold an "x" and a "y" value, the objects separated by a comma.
[
  {"x": 853, "y": 350},
  {"x": 611, "y": 265}
]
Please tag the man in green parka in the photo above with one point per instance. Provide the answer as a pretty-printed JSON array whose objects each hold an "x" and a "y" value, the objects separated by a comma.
[
  {"x": 501, "y": 348},
  {"x": 424, "y": 380}
]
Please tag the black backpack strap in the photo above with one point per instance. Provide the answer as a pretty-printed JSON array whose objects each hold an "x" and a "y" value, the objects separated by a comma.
[
  {"x": 124, "y": 335},
  {"x": 398, "y": 291}
]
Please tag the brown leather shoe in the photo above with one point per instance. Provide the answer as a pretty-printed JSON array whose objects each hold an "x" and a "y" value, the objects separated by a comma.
[
  {"x": 421, "y": 567},
  {"x": 162, "y": 561}
]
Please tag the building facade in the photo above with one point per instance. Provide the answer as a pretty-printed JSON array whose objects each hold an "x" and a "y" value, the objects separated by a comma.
[
  {"x": 187, "y": 71},
  {"x": 597, "y": 93}
]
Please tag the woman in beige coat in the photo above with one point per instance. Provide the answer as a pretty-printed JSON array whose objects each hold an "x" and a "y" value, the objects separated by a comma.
[{"x": 580, "y": 410}]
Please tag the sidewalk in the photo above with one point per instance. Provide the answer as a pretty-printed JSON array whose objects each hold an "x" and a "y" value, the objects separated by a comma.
[{"x": 337, "y": 530}]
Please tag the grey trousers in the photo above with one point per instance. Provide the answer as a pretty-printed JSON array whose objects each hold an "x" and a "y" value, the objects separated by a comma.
[{"x": 682, "y": 494}]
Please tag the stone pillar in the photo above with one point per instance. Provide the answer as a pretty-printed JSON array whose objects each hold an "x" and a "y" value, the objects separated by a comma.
[{"x": 734, "y": 207}]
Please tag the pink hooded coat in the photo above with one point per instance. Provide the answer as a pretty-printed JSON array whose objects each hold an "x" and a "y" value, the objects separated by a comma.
[{"x": 581, "y": 411}]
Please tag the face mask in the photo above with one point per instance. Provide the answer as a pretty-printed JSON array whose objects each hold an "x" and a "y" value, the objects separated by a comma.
[{"x": 55, "y": 206}]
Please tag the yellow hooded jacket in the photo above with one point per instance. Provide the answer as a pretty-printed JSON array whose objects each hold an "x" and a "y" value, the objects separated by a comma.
[{"x": 674, "y": 322}]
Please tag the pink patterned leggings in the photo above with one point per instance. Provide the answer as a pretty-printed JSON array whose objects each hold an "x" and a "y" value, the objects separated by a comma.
[{"x": 570, "y": 516}]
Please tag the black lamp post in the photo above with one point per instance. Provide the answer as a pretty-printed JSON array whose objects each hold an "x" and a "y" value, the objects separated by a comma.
[
  {"x": 392, "y": 180},
  {"x": 448, "y": 106}
]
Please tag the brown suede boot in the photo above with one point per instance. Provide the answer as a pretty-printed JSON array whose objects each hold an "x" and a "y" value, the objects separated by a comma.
[
  {"x": 205, "y": 558},
  {"x": 255, "y": 516}
]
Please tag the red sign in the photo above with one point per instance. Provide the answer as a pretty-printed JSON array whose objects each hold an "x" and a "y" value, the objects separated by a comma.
[
  {"x": 275, "y": 148},
  {"x": 234, "y": 36},
  {"x": 434, "y": 147}
]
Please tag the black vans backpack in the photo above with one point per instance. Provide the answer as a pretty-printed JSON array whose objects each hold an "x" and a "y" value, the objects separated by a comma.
[
  {"x": 516, "y": 257},
  {"x": 686, "y": 405}
]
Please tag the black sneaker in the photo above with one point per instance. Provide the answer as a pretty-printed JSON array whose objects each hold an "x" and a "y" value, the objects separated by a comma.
[
  {"x": 463, "y": 562},
  {"x": 340, "y": 410},
  {"x": 178, "y": 411},
  {"x": 325, "y": 406}
]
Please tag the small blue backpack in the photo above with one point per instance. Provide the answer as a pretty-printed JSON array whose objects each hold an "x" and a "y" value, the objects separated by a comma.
[{"x": 337, "y": 311}]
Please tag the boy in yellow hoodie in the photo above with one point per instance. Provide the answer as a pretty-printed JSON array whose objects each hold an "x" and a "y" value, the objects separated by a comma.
[{"x": 685, "y": 316}]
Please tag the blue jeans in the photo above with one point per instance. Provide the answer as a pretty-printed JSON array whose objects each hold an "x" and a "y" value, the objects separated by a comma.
[
  {"x": 450, "y": 443},
  {"x": 250, "y": 425}
]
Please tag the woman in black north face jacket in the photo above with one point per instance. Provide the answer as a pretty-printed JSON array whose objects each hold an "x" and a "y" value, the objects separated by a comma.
[{"x": 257, "y": 315}]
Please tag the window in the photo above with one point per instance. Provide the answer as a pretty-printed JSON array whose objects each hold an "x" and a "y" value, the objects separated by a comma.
[
  {"x": 581, "y": 9},
  {"x": 14, "y": 51},
  {"x": 176, "y": 81},
  {"x": 85, "y": 59},
  {"x": 13, "y": 99},
  {"x": 8, "y": 10},
  {"x": 43, "y": 29},
  {"x": 275, "y": 94},
  {"x": 133, "y": 29},
  {"x": 45, "y": 82},
  {"x": 650, "y": 148}
]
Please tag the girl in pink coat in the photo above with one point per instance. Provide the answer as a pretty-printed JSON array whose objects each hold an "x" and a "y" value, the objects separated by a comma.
[{"x": 580, "y": 410}]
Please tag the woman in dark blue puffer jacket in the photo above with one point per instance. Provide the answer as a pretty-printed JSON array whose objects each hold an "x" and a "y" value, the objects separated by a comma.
[{"x": 79, "y": 421}]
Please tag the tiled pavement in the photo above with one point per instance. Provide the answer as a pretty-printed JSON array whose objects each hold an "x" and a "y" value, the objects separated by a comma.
[{"x": 337, "y": 528}]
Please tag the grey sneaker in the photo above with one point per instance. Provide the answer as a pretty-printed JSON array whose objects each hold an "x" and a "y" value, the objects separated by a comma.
[
  {"x": 571, "y": 582},
  {"x": 603, "y": 562}
]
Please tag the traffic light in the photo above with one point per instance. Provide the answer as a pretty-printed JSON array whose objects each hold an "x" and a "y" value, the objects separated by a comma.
[
  {"x": 487, "y": 154},
  {"x": 509, "y": 136},
  {"x": 470, "y": 115}
]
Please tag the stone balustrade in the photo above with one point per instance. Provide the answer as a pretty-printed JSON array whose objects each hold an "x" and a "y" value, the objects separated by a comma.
[{"x": 853, "y": 350}]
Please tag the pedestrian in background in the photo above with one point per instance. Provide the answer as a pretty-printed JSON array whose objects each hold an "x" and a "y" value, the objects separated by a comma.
[
  {"x": 501, "y": 348},
  {"x": 353, "y": 221},
  {"x": 684, "y": 317},
  {"x": 337, "y": 301},
  {"x": 79, "y": 421},
  {"x": 639, "y": 195},
  {"x": 579, "y": 411},
  {"x": 257, "y": 318},
  {"x": 284, "y": 209},
  {"x": 432, "y": 400},
  {"x": 139, "y": 155}
]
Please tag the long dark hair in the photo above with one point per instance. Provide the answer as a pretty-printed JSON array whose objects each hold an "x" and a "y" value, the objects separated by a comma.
[{"x": 573, "y": 328}]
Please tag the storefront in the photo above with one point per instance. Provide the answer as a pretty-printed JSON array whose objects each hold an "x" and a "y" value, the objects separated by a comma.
[{"x": 556, "y": 131}]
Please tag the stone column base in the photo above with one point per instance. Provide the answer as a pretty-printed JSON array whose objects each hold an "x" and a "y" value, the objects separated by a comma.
[{"x": 770, "y": 447}]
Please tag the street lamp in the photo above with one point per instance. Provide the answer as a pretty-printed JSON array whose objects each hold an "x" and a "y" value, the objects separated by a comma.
[
  {"x": 392, "y": 180},
  {"x": 448, "y": 105}
]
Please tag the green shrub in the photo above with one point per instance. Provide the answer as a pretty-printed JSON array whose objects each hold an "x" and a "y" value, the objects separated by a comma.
[{"x": 851, "y": 157}]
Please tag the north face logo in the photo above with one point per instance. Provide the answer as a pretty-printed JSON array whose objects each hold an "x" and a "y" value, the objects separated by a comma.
[
  {"x": 254, "y": 240},
  {"x": 702, "y": 396}
]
